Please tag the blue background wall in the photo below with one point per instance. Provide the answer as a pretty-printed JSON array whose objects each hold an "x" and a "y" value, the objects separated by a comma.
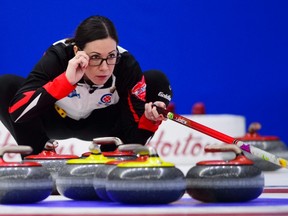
[{"x": 229, "y": 54}]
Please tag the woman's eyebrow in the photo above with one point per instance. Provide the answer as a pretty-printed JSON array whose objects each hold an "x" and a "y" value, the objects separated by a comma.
[{"x": 93, "y": 52}]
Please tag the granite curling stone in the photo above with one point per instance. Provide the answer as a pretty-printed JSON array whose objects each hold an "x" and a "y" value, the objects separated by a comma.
[
  {"x": 127, "y": 152},
  {"x": 237, "y": 180},
  {"x": 23, "y": 182},
  {"x": 51, "y": 160},
  {"x": 75, "y": 179},
  {"x": 152, "y": 181}
]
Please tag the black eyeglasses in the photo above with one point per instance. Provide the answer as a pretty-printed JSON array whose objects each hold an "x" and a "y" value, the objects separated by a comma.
[{"x": 112, "y": 59}]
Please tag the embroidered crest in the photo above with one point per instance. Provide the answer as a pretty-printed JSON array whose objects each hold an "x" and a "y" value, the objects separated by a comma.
[{"x": 106, "y": 98}]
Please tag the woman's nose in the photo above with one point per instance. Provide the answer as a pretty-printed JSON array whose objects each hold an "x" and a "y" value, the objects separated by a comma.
[{"x": 104, "y": 65}]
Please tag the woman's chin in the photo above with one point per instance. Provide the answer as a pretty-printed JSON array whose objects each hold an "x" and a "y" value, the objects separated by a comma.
[{"x": 99, "y": 81}]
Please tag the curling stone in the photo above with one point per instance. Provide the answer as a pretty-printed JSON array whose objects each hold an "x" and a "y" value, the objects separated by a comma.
[
  {"x": 128, "y": 152},
  {"x": 271, "y": 144},
  {"x": 152, "y": 181},
  {"x": 75, "y": 179},
  {"x": 23, "y": 182},
  {"x": 237, "y": 180},
  {"x": 52, "y": 161},
  {"x": 198, "y": 109}
]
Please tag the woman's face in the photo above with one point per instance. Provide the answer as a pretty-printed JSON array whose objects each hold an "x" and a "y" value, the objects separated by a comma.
[{"x": 97, "y": 51}]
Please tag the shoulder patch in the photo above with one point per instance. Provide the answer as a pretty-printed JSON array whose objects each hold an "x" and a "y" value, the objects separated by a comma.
[{"x": 139, "y": 90}]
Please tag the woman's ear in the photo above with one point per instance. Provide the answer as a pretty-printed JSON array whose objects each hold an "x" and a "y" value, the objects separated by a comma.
[{"x": 76, "y": 49}]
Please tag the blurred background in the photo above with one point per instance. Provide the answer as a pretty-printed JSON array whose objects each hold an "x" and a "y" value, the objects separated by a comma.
[{"x": 231, "y": 55}]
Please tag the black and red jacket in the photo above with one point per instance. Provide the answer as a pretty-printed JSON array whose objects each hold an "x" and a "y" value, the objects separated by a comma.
[{"x": 125, "y": 91}]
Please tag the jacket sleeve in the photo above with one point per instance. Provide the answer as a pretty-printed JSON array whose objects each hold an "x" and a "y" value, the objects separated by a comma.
[
  {"x": 43, "y": 86},
  {"x": 135, "y": 127}
]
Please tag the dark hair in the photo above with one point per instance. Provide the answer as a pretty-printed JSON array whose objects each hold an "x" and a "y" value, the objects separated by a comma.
[{"x": 93, "y": 28}]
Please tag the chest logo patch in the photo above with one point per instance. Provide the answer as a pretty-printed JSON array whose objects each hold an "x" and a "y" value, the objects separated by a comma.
[{"x": 106, "y": 98}]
